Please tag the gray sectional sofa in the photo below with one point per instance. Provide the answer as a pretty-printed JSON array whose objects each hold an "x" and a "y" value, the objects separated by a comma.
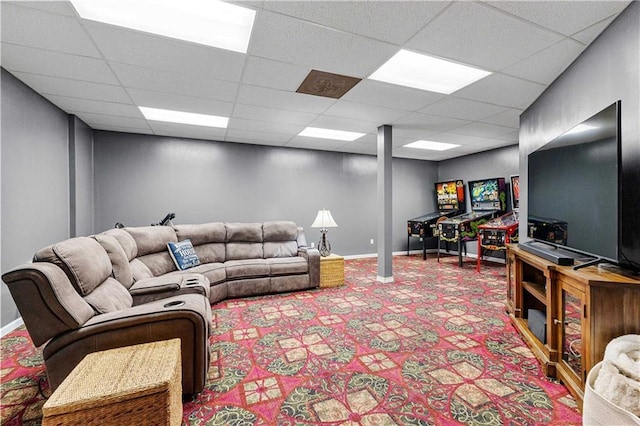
[{"x": 122, "y": 287}]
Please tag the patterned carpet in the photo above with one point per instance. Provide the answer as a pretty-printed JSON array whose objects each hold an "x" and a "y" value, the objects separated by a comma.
[{"x": 434, "y": 347}]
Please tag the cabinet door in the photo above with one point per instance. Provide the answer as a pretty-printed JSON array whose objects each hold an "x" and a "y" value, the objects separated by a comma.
[{"x": 571, "y": 334}]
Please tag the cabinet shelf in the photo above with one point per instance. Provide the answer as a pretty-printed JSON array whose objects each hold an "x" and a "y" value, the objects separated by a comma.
[{"x": 536, "y": 290}]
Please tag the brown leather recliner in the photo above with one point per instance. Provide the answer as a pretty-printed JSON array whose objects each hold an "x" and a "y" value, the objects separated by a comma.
[{"x": 70, "y": 301}]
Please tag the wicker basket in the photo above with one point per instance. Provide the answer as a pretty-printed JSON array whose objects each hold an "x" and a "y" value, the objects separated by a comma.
[
  {"x": 133, "y": 385},
  {"x": 331, "y": 271}
]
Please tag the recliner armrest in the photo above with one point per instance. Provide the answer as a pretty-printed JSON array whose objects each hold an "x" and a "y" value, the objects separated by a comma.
[
  {"x": 313, "y": 257},
  {"x": 156, "y": 288}
]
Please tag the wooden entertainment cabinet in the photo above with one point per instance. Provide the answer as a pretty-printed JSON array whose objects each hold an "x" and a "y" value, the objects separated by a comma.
[{"x": 583, "y": 309}]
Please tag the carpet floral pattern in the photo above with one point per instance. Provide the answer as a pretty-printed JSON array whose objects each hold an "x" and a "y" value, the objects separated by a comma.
[{"x": 435, "y": 347}]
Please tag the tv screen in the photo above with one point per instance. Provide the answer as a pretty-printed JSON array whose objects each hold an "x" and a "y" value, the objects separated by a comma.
[
  {"x": 450, "y": 195},
  {"x": 488, "y": 194},
  {"x": 574, "y": 181},
  {"x": 515, "y": 192}
]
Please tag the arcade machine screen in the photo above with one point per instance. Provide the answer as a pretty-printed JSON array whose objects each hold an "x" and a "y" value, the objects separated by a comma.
[
  {"x": 515, "y": 192},
  {"x": 488, "y": 194},
  {"x": 450, "y": 196}
]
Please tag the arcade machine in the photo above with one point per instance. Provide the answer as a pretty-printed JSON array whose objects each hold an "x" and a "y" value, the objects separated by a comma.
[
  {"x": 488, "y": 200},
  {"x": 450, "y": 200},
  {"x": 497, "y": 233}
]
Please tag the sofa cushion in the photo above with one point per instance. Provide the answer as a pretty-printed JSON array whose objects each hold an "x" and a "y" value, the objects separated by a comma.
[
  {"x": 244, "y": 232},
  {"x": 126, "y": 241},
  {"x": 281, "y": 230},
  {"x": 211, "y": 252},
  {"x": 83, "y": 259},
  {"x": 238, "y": 251},
  {"x": 288, "y": 265},
  {"x": 214, "y": 232},
  {"x": 183, "y": 254},
  {"x": 247, "y": 268},
  {"x": 139, "y": 270},
  {"x": 152, "y": 239},
  {"x": 118, "y": 257},
  {"x": 281, "y": 249},
  {"x": 158, "y": 263},
  {"x": 110, "y": 296}
]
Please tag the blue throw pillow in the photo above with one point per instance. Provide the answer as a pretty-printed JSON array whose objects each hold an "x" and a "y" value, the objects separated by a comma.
[{"x": 183, "y": 254}]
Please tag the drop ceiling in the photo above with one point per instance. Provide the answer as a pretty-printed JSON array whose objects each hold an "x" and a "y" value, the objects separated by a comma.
[{"x": 102, "y": 73}]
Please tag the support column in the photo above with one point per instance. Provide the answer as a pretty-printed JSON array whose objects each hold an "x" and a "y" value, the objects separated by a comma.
[{"x": 385, "y": 255}]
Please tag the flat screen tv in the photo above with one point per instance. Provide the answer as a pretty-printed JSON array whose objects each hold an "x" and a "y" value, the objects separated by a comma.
[
  {"x": 450, "y": 196},
  {"x": 575, "y": 181}
]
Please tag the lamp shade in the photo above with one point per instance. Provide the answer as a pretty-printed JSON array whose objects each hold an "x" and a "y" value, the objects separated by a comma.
[{"x": 324, "y": 220}]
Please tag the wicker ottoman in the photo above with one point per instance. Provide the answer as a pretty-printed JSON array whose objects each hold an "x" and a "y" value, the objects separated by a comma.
[
  {"x": 133, "y": 385},
  {"x": 331, "y": 271}
]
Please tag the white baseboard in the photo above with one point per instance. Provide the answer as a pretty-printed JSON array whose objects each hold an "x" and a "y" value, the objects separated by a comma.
[
  {"x": 384, "y": 279},
  {"x": 11, "y": 326}
]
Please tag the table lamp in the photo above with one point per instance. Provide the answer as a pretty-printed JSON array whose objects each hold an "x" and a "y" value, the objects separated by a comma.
[{"x": 323, "y": 221}]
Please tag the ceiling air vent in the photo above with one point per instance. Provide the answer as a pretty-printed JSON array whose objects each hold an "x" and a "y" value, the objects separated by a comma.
[{"x": 325, "y": 84}]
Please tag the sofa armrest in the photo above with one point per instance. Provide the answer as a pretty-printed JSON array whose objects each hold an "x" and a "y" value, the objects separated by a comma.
[
  {"x": 46, "y": 299},
  {"x": 313, "y": 258},
  {"x": 187, "y": 317},
  {"x": 156, "y": 288}
]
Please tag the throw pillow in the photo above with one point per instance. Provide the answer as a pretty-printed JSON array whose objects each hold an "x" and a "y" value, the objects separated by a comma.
[{"x": 183, "y": 254}]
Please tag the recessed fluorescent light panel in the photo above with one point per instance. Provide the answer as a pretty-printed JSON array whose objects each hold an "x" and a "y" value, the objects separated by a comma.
[
  {"x": 427, "y": 73},
  {"x": 210, "y": 22},
  {"x": 340, "y": 135},
  {"x": 181, "y": 117},
  {"x": 433, "y": 146}
]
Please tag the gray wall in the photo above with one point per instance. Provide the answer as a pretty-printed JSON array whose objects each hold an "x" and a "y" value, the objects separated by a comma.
[
  {"x": 140, "y": 178},
  {"x": 81, "y": 177},
  {"x": 35, "y": 178},
  {"x": 608, "y": 70}
]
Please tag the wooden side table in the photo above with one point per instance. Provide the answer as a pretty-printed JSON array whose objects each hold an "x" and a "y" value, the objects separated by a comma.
[
  {"x": 133, "y": 385},
  {"x": 331, "y": 271}
]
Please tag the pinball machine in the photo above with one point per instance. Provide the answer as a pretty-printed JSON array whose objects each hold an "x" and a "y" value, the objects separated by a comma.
[
  {"x": 450, "y": 201},
  {"x": 488, "y": 200},
  {"x": 495, "y": 234}
]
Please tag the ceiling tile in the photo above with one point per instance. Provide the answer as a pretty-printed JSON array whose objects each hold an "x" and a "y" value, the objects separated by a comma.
[
  {"x": 59, "y": 7},
  {"x": 113, "y": 121},
  {"x": 589, "y": 34},
  {"x": 265, "y": 126},
  {"x": 482, "y": 130},
  {"x": 36, "y": 61},
  {"x": 492, "y": 143},
  {"x": 169, "y": 82},
  {"x": 433, "y": 123},
  {"x": 273, "y": 74},
  {"x": 390, "y": 95},
  {"x": 122, "y": 129},
  {"x": 565, "y": 17},
  {"x": 455, "y": 138},
  {"x": 253, "y": 112},
  {"x": 504, "y": 90},
  {"x": 315, "y": 46},
  {"x": 546, "y": 65},
  {"x": 463, "y": 109},
  {"x": 34, "y": 28},
  {"x": 180, "y": 103},
  {"x": 261, "y": 96},
  {"x": 137, "y": 48},
  {"x": 73, "y": 88},
  {"x": 186, "y": 131},
  {"x": 375, "y": 19},
  {"x": 363, "y": 112},
  {"x": 479, "y": 35},
  {"x": 342, "y": 123},
  {"x": 509, "y": 118},
  {"x": 77, "y": 105}
]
